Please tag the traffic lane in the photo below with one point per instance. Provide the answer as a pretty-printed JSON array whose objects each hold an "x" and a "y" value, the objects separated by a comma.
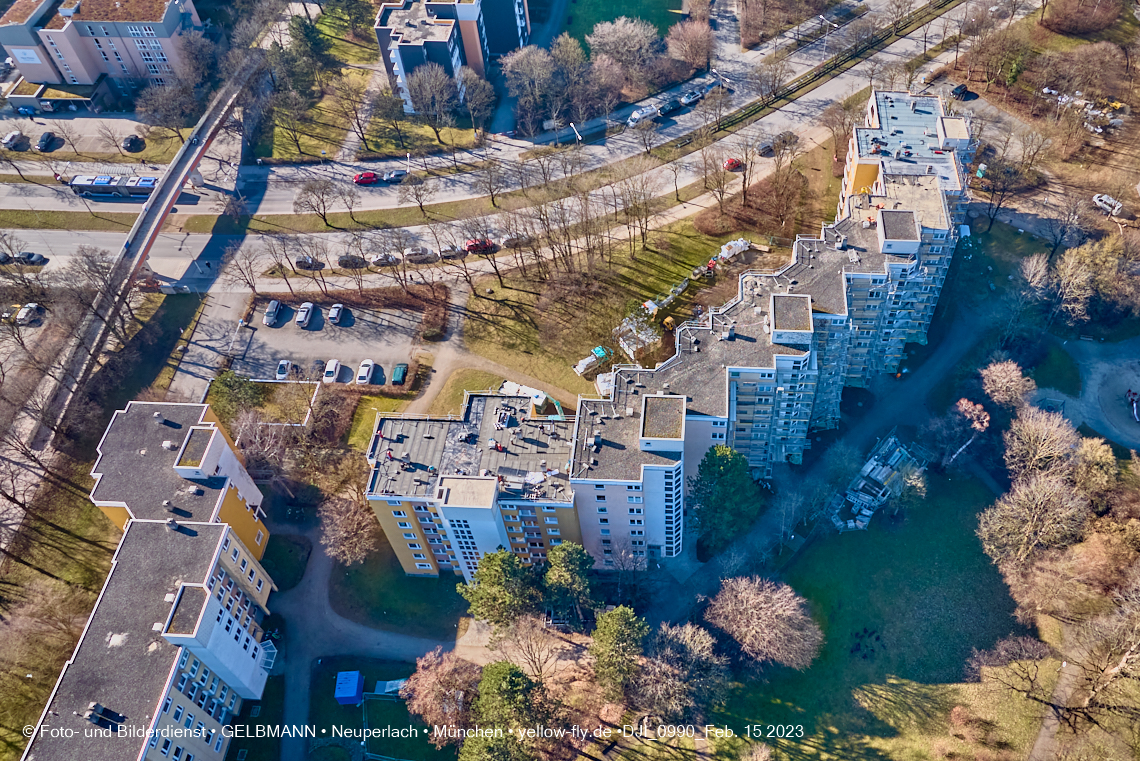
[{"x": 51, "y": 196}]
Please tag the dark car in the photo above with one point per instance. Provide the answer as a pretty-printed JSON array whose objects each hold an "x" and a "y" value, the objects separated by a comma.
[
  {"x": 399, "y": 374},
  {"x": 351, "y": 262},
  {"x": 959, "y": 91},
  {"x": 307, "y": 263},
  {"x": 27, "y": 257},
  {"x": 479, "y": 246},
  {"x": 45, "y": 141},
  {"x": 366, "y": 178},
  {"x": 4, "y": 258},
  {"x": 132, "y": 143},
  {"x": 396, "y": 177},
  {"x": 669, "y": 106}
]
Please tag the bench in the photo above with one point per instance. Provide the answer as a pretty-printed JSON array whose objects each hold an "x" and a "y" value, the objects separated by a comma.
[{"x": 764, "y": 249}]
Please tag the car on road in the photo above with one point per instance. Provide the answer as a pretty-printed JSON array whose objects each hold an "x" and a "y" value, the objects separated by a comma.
[
  {"x": 731, "y": 165},
  {"x": 27, "y": 314},
  {"x": 283, "y": 368},
  {"x": 641, "y": 114},
  {"x": 452, "y": 251},
  {"x": 364, "y": 372},
  {"x": 132, "y": 144},
  {"x": 400, "y": 374},
  {"x": 669, "y": 106},
  {"x": 959, "y": 92},
  {"x": 479, "y": 246},
  {"x": 419, "y": 255},
  {"x": 335, "y": 313},
  {"x": 514, "y": 241},
  {"x": 26, "y": 111},
  {"x": 305, "y": 314},
  {"x": 691, "y": 97},
  {"x": 5, "y": 258},
  {"x": 508, "y": 133},
  {"x": 384, "y": 260},
  {"x": 11, "y": 139},
  {"x": 33, "y": 260},
  {"x": 396, "y": 176},
  {"x": 307, "y": 263},
  {"x": 351, "y": 262},
  {"x": 332, "y": 370},
  {"x": 45, "y": 141},
  {"x": 271, "y": 313},
  {"x": 367, "y": 178}
]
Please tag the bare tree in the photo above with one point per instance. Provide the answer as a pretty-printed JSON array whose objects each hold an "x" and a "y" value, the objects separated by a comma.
[
  {"x": 69, "y": 132},
  {"x": 492, "y": 179},
  {"x": 692, "y": 42},
  {"x": 633, "y": 43},
  {"x": 348, "y": 530},
  {"x": 1005, "y": 384},
  {"x": 478, "y": 98},
  {"x": 682, "y": 676},
  {"x": 713, "y": 107},
  {"x": 768, "y": 621},
  {"x": 348, "y": 197},
  {"x": 416, "y": 190},
  {"x": 1041, "y": 512},
  {"x": 1066, "y": 220},
  {"x": 350, "y": 102},
  {"x": 750, "y": 145},
  {"x": 1039, "y": 442},
  {"x": 316, "y": 197},
  {"x": 434, "y": 96},
  {"x": 242, "y": 265},
  {"x": 388, "y": 108},
  {"x": 646, "y": 134},
  {"x": 528, "y": 643},
  {"x": 290, "y": 111},
  {"x": 978, "y": 421},
  {"x": 897, "y": 11},
  {"x": 771, "y": 75},
  {"x": 840, "y": 118},
  {"x": 110, "y": 135},
  {"x": 1004, "y": 652},
  {"x": 441, "y": 693}
]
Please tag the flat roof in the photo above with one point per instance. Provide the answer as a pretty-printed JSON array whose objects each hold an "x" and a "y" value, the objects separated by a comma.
[
  {"x": 468, "y": 491},
  {"x": 195, "y": 447},
  {"x": 22, "y": 11},
  {"x": 188, "y": 609},
  {"x": 908, "y": 124},
  {"x": 122, "y": 10},
  {"x": 899, "y": 225},
  {"x": 791, "y": 312},
  {"x": 664, "y": 417},
  {"x": 496, "y": 436},
  {"x": 412, "y": 23},
  {"x": 135, "y": 468},
  {"x": 121, "y": 662}
]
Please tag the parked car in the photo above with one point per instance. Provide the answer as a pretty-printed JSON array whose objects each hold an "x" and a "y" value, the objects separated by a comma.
[
  {"x": 34, "y": 260},
  {"x": 419, "y": 255},
  {"x": 959, "y": 92},
  {"x": 283, "y": 368},
  {"x": 452, "y": 251},
  {"x": 479, "y": 246},
  {"x": 332, "y": 370},
  {"x": 1108, "y": 204},
  {"x": 5, "y": 258},
  {"x": 335, "y": 313},
  {"x": 787, "y": 137},
  {"x": 384, "y": 260},
  {"x": 9, "y": 312},
  {"x": 366, "y": 178},
  {"x": 27, "y": 314},
  {"x": 11, "y": 139},
  {"x": 26, "y": 111},
  {"x": 396, "y": 176},
  {"x": 731, "y": 165},
  {"x": 399, "y": 374},
  {"x": 271, "y": 313},
  {"x": 669, "y": 106},
  {"x": 307, "y": 263},
  {"x": 132, "y": 144},
  {"x": 45, "y": 141},
  {"x": 514, "y": 241},
  {"x": 364, "y": 372},
  {"x": 641, "y": 114},
  {"x": 351, "y": 262},
  {"x": 691, "y": 97},
  {"x": 305, "y": 314}
]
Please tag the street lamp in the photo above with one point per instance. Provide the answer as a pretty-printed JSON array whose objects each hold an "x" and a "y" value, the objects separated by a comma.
[{"x": 577, "y": 134}]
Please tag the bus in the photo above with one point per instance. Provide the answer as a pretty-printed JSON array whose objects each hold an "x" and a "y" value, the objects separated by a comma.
[{"x": 115, "y": 186}]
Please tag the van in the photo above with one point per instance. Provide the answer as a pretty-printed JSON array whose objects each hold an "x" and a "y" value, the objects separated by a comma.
[
  {"x": 959, "y": 92},
  {"x": 11, "y": 138},
  {"x": 399, "y": 374},
  {"x": 641, "y": 114}
]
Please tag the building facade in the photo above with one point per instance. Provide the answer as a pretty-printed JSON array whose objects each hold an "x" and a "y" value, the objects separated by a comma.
[
  {"x": 757, "y": 374},
  {"x": 80, "y": 42}
]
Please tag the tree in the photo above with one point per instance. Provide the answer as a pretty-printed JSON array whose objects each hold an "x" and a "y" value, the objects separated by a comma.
[
  {"x": 315, "y": 197},
  {"x": 388, "y": 108},
  {"x": 289, "y": 115},
  {"x": 414, "y": 189},
  {"x": 442, "y": 693},
  {"x": 348, "y": 530},
  {"x": 617, "y": 645},
  {"x": 1005, "y": 384},
  {"x": 840, "y": 118},
  {"x": 492, "y": 179},
  {"x": 1004, "y": 652},
  {"x": 478, "y": 97},
  {"x": 1095, "y": 471},
  {"x": 713, "y": 107},
  {"x": 750, "y": 145},
  {"x": 692, "y": 42},
  {"x": 633, "y": 43},
  {"x": 897, "y": 11},
  {"x": 566, "y": 580},
  {"x": 242, "y": 265},
  {"x": 724, "y": 499},
  {"x": 167, "y": 106},
  {"x": 527, "y": 642},
  {"x": 977, "y": 421},
  {"x": 1039, "y": 441},
  {"x": 358, "y": 13},
  {"x": 771, "y": 76},
  {"x": 1041, "y": 512},
  {"x": 502, "y": 589},
  {"x": 307, "y": 42},
  {"x": 349, "y": 102},
  {"x": 197, "y": 58},
  {"x": 1066, "y": 220},
  {"x": 767, "y": 620},
  {"x": 1002, "y": 181},
  {"x": 110, "y": 135},
  {"x": 434, "y": 95},
  {"x": 508, "y": 698},
  {"x": 1071, "y": 281},
  {"x": 682, "y": 676},
  {"x": 231, "y": 393},
  {"x": 530, "y": 74}
]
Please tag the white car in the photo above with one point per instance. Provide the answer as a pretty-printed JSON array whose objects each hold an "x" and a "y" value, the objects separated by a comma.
[
  {"x": 283, "y": 368},
  {"x": 335, "y": 313},
  {"x": 364, "y": 373},
  {"x": 1108, "y": 204},
  {"x": 27, "y": 314},
  {"x": 384, "y": 260},
  {"x": 332, "y": 370},
  {"x": 305, "y": 314},
  {"x": 641, "y": 114},
  {"x": 419, "y": 255},
  {"x": 271, "y": 313}
]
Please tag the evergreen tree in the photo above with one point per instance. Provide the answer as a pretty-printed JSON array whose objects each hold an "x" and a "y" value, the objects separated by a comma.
[
  {"x": 503, "y": 589},
  {"x": 724, "y": 498},
  {"x": 616, "y": 648},
  {"x": 567, "y": 585}
]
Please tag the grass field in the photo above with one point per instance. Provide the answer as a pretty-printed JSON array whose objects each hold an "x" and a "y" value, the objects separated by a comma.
[
  {"x": 285, "y": 559},
  {"x": 582, "y": 15},
  {"x": 915, "y": 596},
  {"x": 1058, "y": 371},
  {"x": 379, "y": 594},
  {"x": 364, "y": 419},
  {"x": 449, "y": 400},
  {"x": 322, "y": 130},
  {"x": 28, "y": 219},
  {"x": 271, "y": 711},
  {"x": 346, "y": 46}
]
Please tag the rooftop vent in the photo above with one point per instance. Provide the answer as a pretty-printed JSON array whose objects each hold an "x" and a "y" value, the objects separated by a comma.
[
  {"x": 168, "y": 444},
  {"x": 157, "y": 626},
  {"x": 168, "y": 505},
  {"x": 169, "y": 597},
  {"x": 158, "y": 418},
  {"x": 171, "y": 525}
]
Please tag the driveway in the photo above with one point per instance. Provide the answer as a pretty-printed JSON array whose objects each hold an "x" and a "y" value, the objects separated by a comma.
[{"x": 384, "y": 336}]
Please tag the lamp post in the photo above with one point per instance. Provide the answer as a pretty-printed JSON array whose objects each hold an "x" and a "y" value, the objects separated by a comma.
[{"x": 577, "y": 134}]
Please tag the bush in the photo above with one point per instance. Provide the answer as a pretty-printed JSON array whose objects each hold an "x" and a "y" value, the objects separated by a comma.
[{"x": 1082, "y": 16}]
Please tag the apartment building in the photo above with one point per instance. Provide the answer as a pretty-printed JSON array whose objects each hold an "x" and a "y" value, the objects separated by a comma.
[
  {"x": 81, "y": 42},
  {"x": 448, "y": 490},
  {"x": 161, "y": 460}
]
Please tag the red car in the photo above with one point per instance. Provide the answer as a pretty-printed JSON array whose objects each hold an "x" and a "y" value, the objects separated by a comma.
[
  {"x": 366, "y": 178},
  {"x": 731, "y": 165},
  {"x": 479, "y": 246}
]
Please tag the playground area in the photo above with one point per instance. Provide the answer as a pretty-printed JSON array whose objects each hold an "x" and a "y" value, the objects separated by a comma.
[{"x": 1119, "y": 398}]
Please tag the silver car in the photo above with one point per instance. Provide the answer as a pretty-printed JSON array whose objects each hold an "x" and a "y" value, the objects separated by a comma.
[{"x": 305, "y": 314}]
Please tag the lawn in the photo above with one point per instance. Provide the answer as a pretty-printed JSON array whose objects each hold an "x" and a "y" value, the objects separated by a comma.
[
  {"x": 379, "y": 594},
  {"x": 325, "y": 713},
  {"x": 30, "y": 219},
  {"x": 285, "y": 558},
  {"x": 271, "y": 712},
  {"x": 418, "y": 139},
  {"x": 364, "y": 419},
  {"x": 543, "y": 333},
  {"x": 1058, "y": 371},
  {"x": 346, "y": 46},
  {"x": 582, "y": 15},
  {"x": 991, "y": 257},
  {"x": 449, "y": 400},
  {"x": 323, "y": 129},
  {"x": 907, "y": 601}
]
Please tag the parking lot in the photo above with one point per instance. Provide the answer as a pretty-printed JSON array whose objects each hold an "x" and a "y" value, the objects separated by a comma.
[{"x": 383, "y": 336}]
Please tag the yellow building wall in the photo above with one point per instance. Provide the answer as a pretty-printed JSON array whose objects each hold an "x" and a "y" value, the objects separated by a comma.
[
  {"x": 117, "y": 515},
  {"x": 236, "y": 512},
  {"x": 209, "y": 417},
  {"x": 394, "y": 532}
]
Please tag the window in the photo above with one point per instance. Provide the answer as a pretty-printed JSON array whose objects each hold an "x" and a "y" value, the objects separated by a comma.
[
  {"x": 414, "y": 546},
  {"x": 244, "y": 563},
  {"x": 936, "y": 249},
  {"x": 600, "y": 497},
  {"x": 603, "y": 521},
  {"x": 399, "y": 514},
  {"x": 551, "y": 520},
  {"x": 548, "y": 509},
  {"x": 148, "y": 31},
  {"x": 423, "y": 566},
  {"x": 245, "y": 645},
  {"x": 165, "y": 748},
  {"x": 218, "y": 744},
  {"x": 181, "y": 683},
  {"x": 409, "y": 535},
  {"x": 636, "y": 522},
  {"x": 553, "y": 532},
  {"x": 222, "y": 694},
  {"x": 404, "y": 524},
  {"x": 605, "y": 532},
  {"x": 194, "y": 668},
  {"x": 260, "y": 584},
  {"x": 210, "y": 736},
  {"x": 252, "y": 573},
  {"x": 177, "y": 752},
  {"x": 200, "y": 729},
  {"x": 166, "y": 706},
  {"x": 419, "y": 556},
  {"x": 134, "y": 31},
  {"x": 634, "y": 500},
  {"x": 185, "y": 657},
  {"x": 189, "y": 721},
  {"x": 235, "y": 554},
  {"x": 602, "y": 509},
  {"x": 178, "y": 710},
  {"x": 636, "y": 510},
  {"x": 260, "y": 535}
]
